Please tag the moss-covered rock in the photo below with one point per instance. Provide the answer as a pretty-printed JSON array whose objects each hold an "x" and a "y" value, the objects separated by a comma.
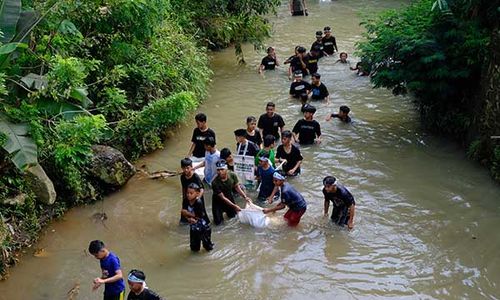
[{"x": 110, "y": 166}]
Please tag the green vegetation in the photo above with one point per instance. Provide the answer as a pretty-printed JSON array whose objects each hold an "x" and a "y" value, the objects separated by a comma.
[
  {"x": 78, "y": 73},
  {"x": 445, "y": 54}
]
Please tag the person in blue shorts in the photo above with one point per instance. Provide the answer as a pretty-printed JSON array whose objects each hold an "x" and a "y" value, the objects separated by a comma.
[
  {"x": 112, "y": 276},
  {"x": 344, "y": 206}
]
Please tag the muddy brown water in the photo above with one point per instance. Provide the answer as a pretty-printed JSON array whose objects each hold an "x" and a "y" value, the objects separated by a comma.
[{"x": 426, "y": 225}]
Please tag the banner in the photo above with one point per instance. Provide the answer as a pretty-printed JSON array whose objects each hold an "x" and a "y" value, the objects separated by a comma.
[{"x": 244, "y": 168}]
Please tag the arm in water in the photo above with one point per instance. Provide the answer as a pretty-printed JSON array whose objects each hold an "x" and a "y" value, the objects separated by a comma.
[
  {"x": 271, "y": 197},
  {"x": 326, "y": 206},
  {"x": 350, "y": 223}
]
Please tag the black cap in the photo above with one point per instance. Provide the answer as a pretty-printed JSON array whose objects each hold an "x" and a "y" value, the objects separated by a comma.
[
  {"x": 319, "y": 33},
  {"x": 309, "y": 108}
]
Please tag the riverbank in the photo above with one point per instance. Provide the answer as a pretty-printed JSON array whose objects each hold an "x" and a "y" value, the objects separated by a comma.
[{"x": 77, "y": 76}]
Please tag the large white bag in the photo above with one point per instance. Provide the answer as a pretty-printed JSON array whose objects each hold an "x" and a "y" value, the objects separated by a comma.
[{"x": 253, "y": 215}]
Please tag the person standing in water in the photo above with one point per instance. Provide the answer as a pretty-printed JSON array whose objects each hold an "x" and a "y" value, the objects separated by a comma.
[
  {"x": 269, "y": 62},
  {"x": 289, "y": 155},
  {"x": 271, "y": 122},
  {"x": 343, "y": 115},
  {"x": 307, "y": 131},
  {"x": 212, "y": 155},
  {"x": 289, "y": 197},
  {"x": 318, "y": 45},
  {"x": 344, "y": 206},
  {"x": 194, "y": 211},
  {"x": 253, "y": 133},
  {"x": 318, "y": 89},
  {"x": 329, "y": 42},
  {"x": 298, "y": 8},
  {"x": 188, "y": 176},
  {"x": 200, "y": 133},
  {"x": 136, "y": 280},
  {"x": 112, "y": 276}
]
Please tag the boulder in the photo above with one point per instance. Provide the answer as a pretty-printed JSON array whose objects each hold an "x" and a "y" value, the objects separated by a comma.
[
  {"x": 110, "y": 166},
  {"x": 40, "y": 184}
]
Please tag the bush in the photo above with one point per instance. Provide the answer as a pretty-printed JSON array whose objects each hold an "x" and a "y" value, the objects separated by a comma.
[{"x": 141, "y": 132}]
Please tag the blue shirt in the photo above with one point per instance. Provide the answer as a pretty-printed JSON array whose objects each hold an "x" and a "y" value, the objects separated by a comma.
[
  {"x": 210, "y": 168},
  {"x": 109, "y": 266},
  {"x": 266, "y": 179},
  {"x": 292, "y": 198}
]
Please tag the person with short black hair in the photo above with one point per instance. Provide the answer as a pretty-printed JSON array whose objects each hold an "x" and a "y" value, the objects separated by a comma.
[
  {"x": 329, "y": 42},
  {"x": 289, "y": 197},
  {"x": 343, "y": 115},
  {"x": 342, "y": 58},
  {"x": 343, "y": 202},
  {"x": 318, "y": 89},
  {"x": 268, "y": 150},
  {"x": 318, "y": 45},
  {"x": 188, "y": 176},
  {"x": 265, "y": 173},
  {"x": 289, "y": 154},
  {"x": 226, "y": 155},
  {"x": 298, "y": 63},
  {"x": 138, "y": 290},
  {"x": 200, "y": 133},
  {"x": 270, "y": 62},
  {"x": 253, "y": 133},
  {"x": 112, "y": 276},
  {"x": 307, "y": 131},
  {"x": 212, "y": 155},
  {"x": 298, "y": 8},
  {"x": 271, "y": 122},
  {"x": 311, "y": 59},
  {"x": 196, "y": 214},
  {"x": 243, "y": 146},
  {"x": 299, "y": 86},
  {"x": 360, "y": 69},
  {"x": 222, "y": 198}
]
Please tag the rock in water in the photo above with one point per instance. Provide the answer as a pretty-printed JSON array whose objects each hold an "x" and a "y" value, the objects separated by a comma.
[
  {"x": 110, "y": 166},
  {"x": 41, "y": 184}
]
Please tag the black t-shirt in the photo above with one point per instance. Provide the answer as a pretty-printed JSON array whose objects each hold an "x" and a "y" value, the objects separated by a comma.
[
  {"x": 198, "y": 208},
  {"x": 269, "y": 63},
  {"x": 318, "y": 46},
  {"x": 307, "y": 130},
  {"x": 146, "y": 294},
  {"x": 319, "y": 92},
  {"x": 271, "y": 125},
  {"x": 311, "y": 63},
  {"x": 251, "y": 149},
  {"x": 185, "y": 182},
  {"x": 296, "y": 65},
  {"x": 291, "y": 158},
  {"x": 329, "y": 44},
  {"x": 256, "y": 138},
  {"x": 346, "y": 120},
  {"x": 341, "y": 198},
  {"x": 198, "y": 138},
  {"x": 298, "y": 88},
  {"x": 289, "y": 60}
]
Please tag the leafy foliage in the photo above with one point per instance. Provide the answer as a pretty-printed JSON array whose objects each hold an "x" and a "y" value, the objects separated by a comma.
[{"x": 17, "y": 143}]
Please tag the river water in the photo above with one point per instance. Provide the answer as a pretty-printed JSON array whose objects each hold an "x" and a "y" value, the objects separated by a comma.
[{"x": 426, "y": 222}]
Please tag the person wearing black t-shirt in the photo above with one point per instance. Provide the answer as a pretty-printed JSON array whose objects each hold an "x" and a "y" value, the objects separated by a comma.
[
  {"x": 307, "y": 131},
  {"x": 196, "y": 214},
  {"x": 188, "y": 176},
  {"x": 271, "y": 122},
  {"x": 288, "y": 154},
  {"x": 343, "y": 202},
  {"x": 329, "y": 42},
  {"x": 299, "y": 86},
  {"x": 343, "y": 115},
  {"x": 318, "y": 89},
  {"x": 311, "y": 60},
  {"x": 244, "y": 147},
  {"x": 298, "y": 63},
  {"x": 253, "y": 133},
  {"x": 270, "y": 62},
  {"x": 200, "y": 133},
  {"x": 318, "y": 45},
  {"x": 138, "y": 291}
]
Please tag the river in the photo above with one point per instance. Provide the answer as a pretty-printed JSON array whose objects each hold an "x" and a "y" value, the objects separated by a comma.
[{"x": 426, "y": 223}]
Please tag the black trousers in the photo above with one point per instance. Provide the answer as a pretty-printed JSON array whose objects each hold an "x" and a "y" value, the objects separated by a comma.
[
  {"x": 199, "y": 237},
  {"x": 340, "y": 215},
  {"x": 218, "y": 208}
]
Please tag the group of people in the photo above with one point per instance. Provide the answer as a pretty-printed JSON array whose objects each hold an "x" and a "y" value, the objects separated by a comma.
[{"x": 276, "y": 156}]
